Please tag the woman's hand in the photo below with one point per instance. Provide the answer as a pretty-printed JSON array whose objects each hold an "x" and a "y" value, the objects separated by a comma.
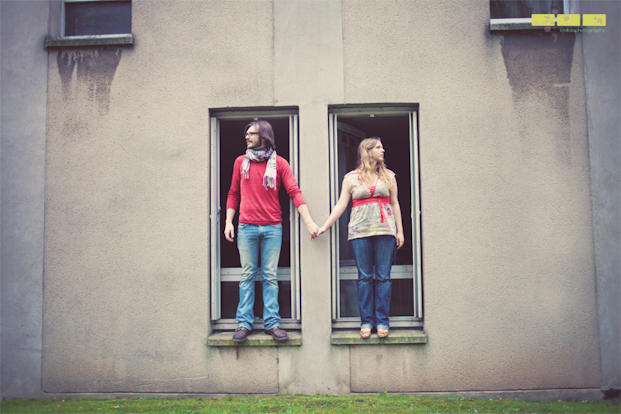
[{"x": 400, "y": 240}]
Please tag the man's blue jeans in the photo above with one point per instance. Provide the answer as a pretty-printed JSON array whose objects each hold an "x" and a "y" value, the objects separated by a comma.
[
  {"x": 369, "y": 252},
  {"x": 252, "y": 241}
]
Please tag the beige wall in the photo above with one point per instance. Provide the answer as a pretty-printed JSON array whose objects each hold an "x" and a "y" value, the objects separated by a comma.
[{"x": 509, "y": 283}]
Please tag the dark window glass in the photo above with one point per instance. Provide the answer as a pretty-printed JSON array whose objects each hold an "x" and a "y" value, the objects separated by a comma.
[
  {"x": 401, "y": 299},
  {"x": 232, "y": 145},
  {"x": 505, "y": 9},
  {"x": 230, "y": 299},
  {"x": 98, "y": 17},
  {"x": 394, "y": 131}
]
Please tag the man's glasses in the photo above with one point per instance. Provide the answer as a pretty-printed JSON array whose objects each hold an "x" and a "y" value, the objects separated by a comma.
[{"x": 250, "y": 133}]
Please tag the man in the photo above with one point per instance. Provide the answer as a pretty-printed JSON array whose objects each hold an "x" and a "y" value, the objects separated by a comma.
[{"x": 257, "y": 176}]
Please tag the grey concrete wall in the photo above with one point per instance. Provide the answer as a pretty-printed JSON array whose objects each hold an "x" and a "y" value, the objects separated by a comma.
[
  {"x": 127, "y": 216},
  {"x": 308, "y": 52},
  {"x": 23, "y": 78},
  {"x": 507, "y": 242},
  {"x": 509, "y": 270},
  {"x": 603, "y": 86}
]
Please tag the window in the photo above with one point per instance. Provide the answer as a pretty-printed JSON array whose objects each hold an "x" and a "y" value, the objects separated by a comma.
[
  {"x": 397, "y": 127},
  {"x": 503, "y": 9},
  {"x": 96, "y": 17},
  {"x": 227, "y": 143},
  {"x": 91, "y": 23},
  {"x": 516, "y": 14}
]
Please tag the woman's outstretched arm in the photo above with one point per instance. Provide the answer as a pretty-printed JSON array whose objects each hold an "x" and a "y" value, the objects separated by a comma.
[{"x": 339, "y": 208}]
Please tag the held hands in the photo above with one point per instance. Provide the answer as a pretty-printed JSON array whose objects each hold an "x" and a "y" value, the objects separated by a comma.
[
  {"x": 312, "y": 229},
  {"x": 321, "y": 230}
]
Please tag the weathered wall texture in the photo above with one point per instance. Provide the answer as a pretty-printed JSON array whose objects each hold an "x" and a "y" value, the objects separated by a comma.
[
  {"x": 507, "y": 238},
  {"x": 127, "y": 283},
  {"x": 23, "y": 92},
  {"x": 603, "y": 83},
  {"x": 509, "y": 279}
]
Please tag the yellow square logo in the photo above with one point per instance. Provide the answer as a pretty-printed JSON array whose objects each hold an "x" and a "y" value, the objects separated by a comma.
[
  {"x": 594, "y": 20},
  {"x": 542, "y": 19},
  {"x": 568, "y": 20}
]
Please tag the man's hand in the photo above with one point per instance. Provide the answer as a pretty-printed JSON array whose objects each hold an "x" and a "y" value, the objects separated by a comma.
[
  {"x": 229, "y": 231},
  {"x": 313, "y": 229}
]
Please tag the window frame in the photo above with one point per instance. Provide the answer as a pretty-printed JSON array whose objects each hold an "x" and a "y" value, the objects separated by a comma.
[
  {"x": 521, "y": 23},
  {"x": 58, "y": 39},
  {"x": 217, "y": 274},
  {"x": 63, "y": 19},
  {"x": 415, "y": 321}
]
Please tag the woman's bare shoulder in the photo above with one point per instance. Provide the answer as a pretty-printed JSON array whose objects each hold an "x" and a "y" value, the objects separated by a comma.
[{"x": 351, "y": 177}]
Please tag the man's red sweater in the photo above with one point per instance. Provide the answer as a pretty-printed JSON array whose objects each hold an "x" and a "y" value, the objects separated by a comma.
[{"x": 258, "y": 205}]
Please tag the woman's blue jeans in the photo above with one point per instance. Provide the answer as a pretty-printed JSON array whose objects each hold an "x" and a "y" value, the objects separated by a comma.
[
  {"x": 374, "y": 295},
  {"x": 252, "y": 241}
]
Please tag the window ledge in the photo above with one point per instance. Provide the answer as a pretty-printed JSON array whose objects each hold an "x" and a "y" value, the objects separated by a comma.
[
  {"x": 95, "y": 40},
  {"x": 523, "y": 24},
  {"x": 396, "y": 337},
  {"x": 254, "y": 339}
]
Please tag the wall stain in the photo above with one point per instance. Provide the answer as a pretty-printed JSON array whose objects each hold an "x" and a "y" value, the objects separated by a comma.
[
  {"x": 539, "y": 72},
  {"x": 95, "y": 72}
]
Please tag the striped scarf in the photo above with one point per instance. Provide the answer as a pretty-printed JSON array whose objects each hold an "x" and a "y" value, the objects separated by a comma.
[{"x": 260, "y": 155}]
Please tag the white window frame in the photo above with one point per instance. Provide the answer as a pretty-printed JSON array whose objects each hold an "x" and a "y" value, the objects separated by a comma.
[
  {"x": 62, "y": 20},
  {"x": 522, "y": 23},
  {"x": 397, "y": 272},
  {"x": 219, "y": 275}
]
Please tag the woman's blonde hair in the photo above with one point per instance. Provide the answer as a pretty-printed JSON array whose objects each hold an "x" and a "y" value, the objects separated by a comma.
[{"x": 366, "y": 164}]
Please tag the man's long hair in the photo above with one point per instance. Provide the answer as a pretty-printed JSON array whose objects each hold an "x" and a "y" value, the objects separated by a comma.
[
  {"x": 366, "y": 164},
  {"x": 265, "y": 132}
]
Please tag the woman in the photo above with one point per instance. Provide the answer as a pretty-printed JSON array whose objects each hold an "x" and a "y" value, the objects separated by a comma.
[{"x": 375, "y": 228}]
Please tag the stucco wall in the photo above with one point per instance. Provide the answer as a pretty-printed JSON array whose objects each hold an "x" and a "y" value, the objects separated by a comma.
[
  {"x": 509, "y": 280},
  {"x": 23, "y": 123},
  {"x": 603, "y": 84},
  {"x": 507, "y": 242},
  {"x": 127, "y": 283}
]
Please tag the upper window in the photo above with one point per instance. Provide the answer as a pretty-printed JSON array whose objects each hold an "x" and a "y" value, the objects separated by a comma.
[
  {"x": 505, "y": 9},
  {"x": 227, "y": 143},
  {"x": 97, "y": 17},
  {"x": 92, "y": 23},
  {"x": 397, "y": 128}
]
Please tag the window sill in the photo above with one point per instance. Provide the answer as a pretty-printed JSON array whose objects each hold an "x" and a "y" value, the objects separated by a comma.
[
  {"x": 254, "y": 339},
  {"x": 396, "y": 337},
  {"x": 97, "y": 40},
  {"x": 523, "y": 24}
]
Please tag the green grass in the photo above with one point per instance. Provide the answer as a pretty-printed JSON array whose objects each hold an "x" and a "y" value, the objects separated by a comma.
[{"x": 380, "y": 403}]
